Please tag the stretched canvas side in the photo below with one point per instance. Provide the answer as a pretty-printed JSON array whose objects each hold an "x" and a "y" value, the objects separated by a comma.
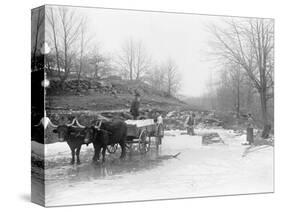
[{"x": 37, "y": 106}]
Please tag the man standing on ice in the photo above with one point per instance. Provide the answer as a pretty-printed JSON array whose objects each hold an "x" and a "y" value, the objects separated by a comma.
[
  {"x": 250, "y": 129},
  {"x": 160, "y": 128},
  {"x": 189, "y": 123}
]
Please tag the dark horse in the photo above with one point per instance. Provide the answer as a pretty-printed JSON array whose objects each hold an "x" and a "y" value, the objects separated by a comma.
[
  {"x": 104, "y": 134},
  {"x": 75, "y": 138}
]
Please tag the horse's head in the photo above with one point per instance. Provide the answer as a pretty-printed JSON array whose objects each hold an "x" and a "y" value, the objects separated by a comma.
[{"x": 63, "y": 132}]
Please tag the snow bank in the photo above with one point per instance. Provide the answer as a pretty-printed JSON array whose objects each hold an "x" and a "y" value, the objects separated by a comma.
[
  {"x": 37, "y": 148},
  {"x": 54, "y": 150},
  {"x": 140, "y": 123}
]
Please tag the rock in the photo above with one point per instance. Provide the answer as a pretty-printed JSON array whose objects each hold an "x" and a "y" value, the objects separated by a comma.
[
  {"x": 126, "y": 115},
  {"x": 210, "y": 138},
  {"x": 105, "y": 84},
  {"x": 170, "y": 114},
  {"x": 114, "y": 77}
]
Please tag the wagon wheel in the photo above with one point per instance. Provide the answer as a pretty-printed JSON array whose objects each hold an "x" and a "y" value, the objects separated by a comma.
[
  {"x": 112, "y": 148},
  {"x": 144, "y": 145},
  {"x": 129, "y": 146}
]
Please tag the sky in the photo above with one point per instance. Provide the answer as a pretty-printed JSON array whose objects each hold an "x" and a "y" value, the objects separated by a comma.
[{"x": 181, "y": 37}]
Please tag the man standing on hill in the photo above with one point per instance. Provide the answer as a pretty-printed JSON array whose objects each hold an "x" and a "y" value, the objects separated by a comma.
[{"x": 135, "y": 106}]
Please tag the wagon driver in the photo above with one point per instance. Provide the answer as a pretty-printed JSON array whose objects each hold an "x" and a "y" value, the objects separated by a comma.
[{"x": 135, "y": 106}]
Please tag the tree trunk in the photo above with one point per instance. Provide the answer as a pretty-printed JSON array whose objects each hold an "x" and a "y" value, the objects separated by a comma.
[
  {"x": 33, "y": 65},
  {"x": 168, "y": 86},
  {"x": 38, "y": 25},
  {"x": 65, "y": 63},
  {"x": 96, "y": 71},
  {"x": 266, "y": 125},
  {"x": 58, "y": 61},
  {"x": 138, "y": 75},
  {"x": 238, "y": 100},
  {"x": 131, "y": 73},
  {"x": 78, "y": 77}
]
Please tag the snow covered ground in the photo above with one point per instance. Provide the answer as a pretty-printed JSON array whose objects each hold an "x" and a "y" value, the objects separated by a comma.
[{"x": 217, "y": 169}]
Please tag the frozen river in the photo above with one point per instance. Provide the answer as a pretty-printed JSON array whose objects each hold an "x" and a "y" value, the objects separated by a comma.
[{"x": 217, "y": 169}]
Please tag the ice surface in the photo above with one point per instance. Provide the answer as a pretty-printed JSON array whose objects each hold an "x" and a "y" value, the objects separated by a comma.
[{"x": 217, "y": 169}]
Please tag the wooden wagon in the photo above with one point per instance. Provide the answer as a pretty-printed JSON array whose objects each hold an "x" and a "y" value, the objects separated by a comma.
[{"x": 139, "y": 133}]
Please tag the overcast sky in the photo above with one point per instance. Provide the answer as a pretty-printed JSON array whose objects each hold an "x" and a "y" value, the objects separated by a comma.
[{"x": 182, "y": 37}]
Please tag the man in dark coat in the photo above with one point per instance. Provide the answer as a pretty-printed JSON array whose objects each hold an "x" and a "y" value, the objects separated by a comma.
[
  {"x": 189, "y": 123},
  {"x": 250, "y": 129},
  {"x": 135, "y": 106}
]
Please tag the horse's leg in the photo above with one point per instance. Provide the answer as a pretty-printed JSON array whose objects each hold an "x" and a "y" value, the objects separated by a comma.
[
  {"x": 103, "y": 153},
  {"x": 97, "y": 153},
  {"x": 78, "y": 154},
  {"x": 72, "y": 155},
  {"x": 123, "y": 149},
  {"x": 94, "y": 153},
  {"x": 123, "y": 144}
]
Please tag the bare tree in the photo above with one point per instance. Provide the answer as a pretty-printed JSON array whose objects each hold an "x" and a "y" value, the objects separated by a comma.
[
  {"x": 249, "y": 44},
  {"x": 212, "y": 93},
  {"x": 156, "y": 77},
  {"x": 70, "y": 32},
  {"x": 172, "y": 77},
  {"x": 54, "y": 31},
  {"x": 142, "y": 61},
  {"x": 98, "y": 61},
  {"x": 133, "y": 61},
  {"x": 164, "y": 77},
  {"x": 84, "y": 43},
  {"x": 64, "y": 27},
  {"x": 37, "y": 16},
  {"x": 236, "y": 80},
  {"x": 125, "y": 60},
  {"x": 224, "y": 92}
]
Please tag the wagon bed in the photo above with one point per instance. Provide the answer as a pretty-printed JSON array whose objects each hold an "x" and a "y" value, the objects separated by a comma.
[{"x": 140, "y": 132}]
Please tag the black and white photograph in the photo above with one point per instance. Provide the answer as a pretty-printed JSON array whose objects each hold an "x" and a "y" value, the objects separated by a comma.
[{"x": 138, "y": 105}]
